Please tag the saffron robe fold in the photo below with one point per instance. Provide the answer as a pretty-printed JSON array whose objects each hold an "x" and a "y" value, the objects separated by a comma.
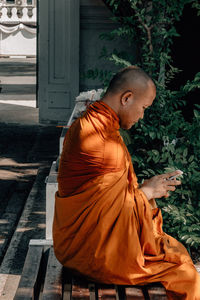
[{"x": 103, "y": 224}]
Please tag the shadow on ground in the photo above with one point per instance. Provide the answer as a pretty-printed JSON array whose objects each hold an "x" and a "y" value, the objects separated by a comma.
[{"x": 26, "y": 154}]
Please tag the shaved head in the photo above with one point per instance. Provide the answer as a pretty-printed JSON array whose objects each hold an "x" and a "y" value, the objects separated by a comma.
[
  {"x": 129, "y": 93},
  {"x": 129, "y": 78}
]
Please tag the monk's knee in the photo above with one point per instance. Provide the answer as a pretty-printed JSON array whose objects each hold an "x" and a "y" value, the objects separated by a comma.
[
  {"x": 183, "y": 275},
  {"x": 187, "y": 272}
]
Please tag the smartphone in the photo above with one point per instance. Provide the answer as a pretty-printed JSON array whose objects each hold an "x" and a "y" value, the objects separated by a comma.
[{"x": 174, "y": 177}]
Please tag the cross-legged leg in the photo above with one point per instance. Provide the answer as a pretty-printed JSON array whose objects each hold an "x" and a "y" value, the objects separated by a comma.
[{"x": 183, "y": 283}]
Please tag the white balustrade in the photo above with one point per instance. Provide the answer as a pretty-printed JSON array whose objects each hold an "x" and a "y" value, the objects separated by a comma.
[
  {"x": 15, "y": 17},
  {"x": 10, "y": 18},
  {"x": 34, "y": 14},
  {"x": 25, "y": 14},
  {"x": 4, "y": 16},
  {"x": 16, "y": 36}
]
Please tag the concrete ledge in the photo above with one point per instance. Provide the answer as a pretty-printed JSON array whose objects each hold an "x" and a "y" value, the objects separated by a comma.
[
  {"x": 51, "y": 188},
  {"x": 41, "y": 243},
  {"x": 64, "y": 131}
]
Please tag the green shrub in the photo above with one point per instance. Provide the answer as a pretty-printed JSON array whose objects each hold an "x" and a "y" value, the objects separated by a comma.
[{"x": 163, "y": 140}]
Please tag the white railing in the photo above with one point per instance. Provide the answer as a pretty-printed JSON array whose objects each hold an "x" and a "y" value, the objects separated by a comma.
[
  {"x": 18, "y": 29},
  {"x": 12, "y": 15}
]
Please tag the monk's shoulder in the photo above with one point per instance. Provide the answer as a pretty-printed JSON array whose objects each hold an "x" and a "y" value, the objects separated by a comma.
[
  {"x": 114, "y": 151},
  {"x": 92, "y": 140}
]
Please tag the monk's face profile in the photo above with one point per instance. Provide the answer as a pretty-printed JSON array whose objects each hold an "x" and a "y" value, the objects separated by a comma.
[{"x": 133, "y": 104}]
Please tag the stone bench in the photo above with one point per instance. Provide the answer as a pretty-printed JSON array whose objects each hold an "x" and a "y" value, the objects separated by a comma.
[
  {"x": 51, "y": 188},
  {"x": 43, "y": 277}
]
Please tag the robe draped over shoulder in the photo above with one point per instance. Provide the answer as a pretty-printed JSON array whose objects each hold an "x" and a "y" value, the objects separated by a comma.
[{"x": 103, "y": 224}]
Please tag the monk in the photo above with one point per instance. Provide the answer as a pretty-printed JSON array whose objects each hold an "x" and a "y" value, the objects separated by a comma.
[{"x": 105, "y": 226}]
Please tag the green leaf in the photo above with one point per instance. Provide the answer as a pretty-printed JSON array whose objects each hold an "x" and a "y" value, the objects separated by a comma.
[
  {"x": 189, "y": 240},
  {"x": 191, "y": 158},
  {"x": 184, "y": 237},
  {"x": 196, "y": 113},
  {"x": 145, "y": 172},
  {"x": 185, "y": 152}
]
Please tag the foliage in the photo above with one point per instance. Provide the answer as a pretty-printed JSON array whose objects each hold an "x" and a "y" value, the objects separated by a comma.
[
  {"x": 175, "y": 145},
  {"x": 163, "y": 139}
]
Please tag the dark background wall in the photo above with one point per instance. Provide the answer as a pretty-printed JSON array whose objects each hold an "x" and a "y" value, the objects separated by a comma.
[{"x": 95, "y": 18}]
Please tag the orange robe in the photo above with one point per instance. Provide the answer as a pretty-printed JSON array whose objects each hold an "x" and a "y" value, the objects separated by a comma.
[{"x": 104, "y": 226}]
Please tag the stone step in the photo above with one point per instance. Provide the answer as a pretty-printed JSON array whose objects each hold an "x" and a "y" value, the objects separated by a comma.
[
  {"x": 22, "y": 79},
  {"x": 6, "y": 189},
  {"x": 17, "y": 91},
  {"x": 12, "y": 97},
  {"x": 12, "y": 89},
  {"x": 31, "y": 225},
  {"x": 11, "y": 105},
  {"x": 12, "y": 213}
]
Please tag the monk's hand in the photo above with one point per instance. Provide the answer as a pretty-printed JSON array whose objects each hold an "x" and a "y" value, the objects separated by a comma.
[{"x": 158, "y": 186}]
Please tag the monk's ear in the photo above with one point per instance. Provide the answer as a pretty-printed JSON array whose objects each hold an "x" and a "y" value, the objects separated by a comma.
[{"x": 126, "y": 97}]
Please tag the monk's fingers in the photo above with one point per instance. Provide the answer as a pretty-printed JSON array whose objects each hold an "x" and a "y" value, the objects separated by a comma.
[
  {"x": 173, "y": 182},
  {"x": 161, "y": 177},
  {"x": 170, "y": 174},
  {"x": 166, "y": 195},
  {"x": 171, "y": 188}
]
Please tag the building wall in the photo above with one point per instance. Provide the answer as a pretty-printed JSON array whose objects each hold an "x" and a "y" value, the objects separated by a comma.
[{"x": 95, "y": 18}]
